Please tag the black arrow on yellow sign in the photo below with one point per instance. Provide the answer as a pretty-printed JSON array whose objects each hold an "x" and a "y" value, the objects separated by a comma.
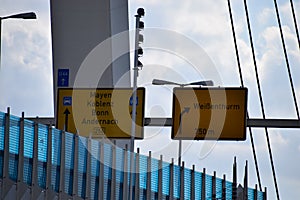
[
  {"x": 186, "y": 110},
  {"x": 66, "y": 113}
]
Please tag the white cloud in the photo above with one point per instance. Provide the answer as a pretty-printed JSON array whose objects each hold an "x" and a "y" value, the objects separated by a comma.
[
  {"x": 286, "y": 13},
  {"x": 26, "y": 60},
  {"x": 266, "y": 15}
]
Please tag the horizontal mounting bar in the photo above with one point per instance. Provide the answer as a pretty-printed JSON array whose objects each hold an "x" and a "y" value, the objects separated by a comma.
[
  {"x": 274, "y": 123},
  {"x": 255, "y": 123}
]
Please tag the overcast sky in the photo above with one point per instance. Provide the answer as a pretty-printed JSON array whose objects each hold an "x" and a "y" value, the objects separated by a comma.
[{"x": 26, "y": 77}]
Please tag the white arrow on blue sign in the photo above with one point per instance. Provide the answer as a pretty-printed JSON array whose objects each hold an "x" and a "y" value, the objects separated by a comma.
[{"x": 63, "y": 78}]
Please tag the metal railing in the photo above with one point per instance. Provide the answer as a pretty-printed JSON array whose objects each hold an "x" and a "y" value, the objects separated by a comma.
[{"x": 41, "y": 162}]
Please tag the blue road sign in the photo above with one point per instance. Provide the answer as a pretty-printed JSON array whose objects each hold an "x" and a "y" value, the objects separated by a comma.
[
  {"x": 63, "y": 78},
  {"x": 67, "y": 101},
  {"x": 131, "y": 101}
]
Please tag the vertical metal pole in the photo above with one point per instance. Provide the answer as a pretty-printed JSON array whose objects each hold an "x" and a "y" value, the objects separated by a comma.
[
  {"x": 113, "y": 172},
  {"x": 131, "y": 171},
  {"x": 5, "y": 186},
  {"x": 180, "y": 140},
  {"x": 21, "y": 150},
  {"x": 101, "y": 172},
  {"x": 75, "y": 170},
  {"x": 62, "y": 166},
  {"x": 203, "y": 192},
  {"x": 179, "y": 152},
  {"x": 148, "y": 190},
  {"x": 134, "y": 95},
  {"x": 255, "y": 192},
  {"x": 246, "y": 182},
  {"x": 265, "y": 194},
  {"x": 234, "y": 181},
  {"x": 135, "y": 75},
  {"x": 214, "y": 194},
  {"x": 171, "y": 191},
  {"x": 6, "y": 145},
  {"x": 125, "y": 171},
  {"x": 34, "y": 184},
  {"x": 182, "y": 181},
  {"x": 0, "y": 40},
  {"x": 160, "y": 177},
  {"x": 193, "y": 182},
  {"x": 137, "y": 176},
  {"x": 224, "y": 187},
  {"x": 49, "y": 163},
  {"x": 88, "y": 170},
  {"x": 20, "y": 185}
]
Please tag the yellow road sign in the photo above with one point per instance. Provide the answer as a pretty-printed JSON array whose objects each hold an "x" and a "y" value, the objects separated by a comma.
[
  {"x": 101, "y": 112},
  {"x": 209, "y": 113}
]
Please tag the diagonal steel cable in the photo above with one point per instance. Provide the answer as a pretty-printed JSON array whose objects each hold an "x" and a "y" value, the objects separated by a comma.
[
  {"x": 242, "y": 84},
  {"x": 295, "y": 22},
  {"x": 261, "y": 99},
  {"x": 286, "y": 59}
]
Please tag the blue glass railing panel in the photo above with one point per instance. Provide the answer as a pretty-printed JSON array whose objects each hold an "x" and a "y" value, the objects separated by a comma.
[
  {"x": 107, "y": 169},
  {"x": 69, "y": 162},
  {"x": 143, "y": 172},
  {"x": 55, "y": 159},
  {"x": 1, "y": 163},
  {"x": 165, "y": 178},
  {"x": 154, "y": 175},
  {"x": 42, "y": 154},
  {"x": 42, "y": 142},
  {"x": 69, "y": 151},
  {"x": 107, "y": 155},
  {"x": 208, "y": 186},
  {"x": 228, "y": 186},
  {"x": 119, "y": 165},
  {"x": 187, "y": 183},
  {"x": 95, "y": 157},
  {"x": 219, "y": 188},
  {"x": 198, "y": 185},
  {"x": 42, "y": 174},
  {"x": 250, "y": 194},
  {"x": 143, "y": 160},
  {"x": 56, "y": 146},
  {"x": 82, "y": 154},
  {"x": 14, "y": 134},
  {"x": 2, "y": 130},
  {"x": 28, "y": 151},
  {"x": 95, "y": 167},
  {"x": 82, "y": 157},
  {"x": 28, "y": 138},
  {"x": 81, "y": 184},
  {"x": 119, "y": 173},
  {"x": 27, "y": 170},
  {"x": 260, "y": 195},
  {"x": 13, "y": 167},
  {"x": 176, "y": 183}
]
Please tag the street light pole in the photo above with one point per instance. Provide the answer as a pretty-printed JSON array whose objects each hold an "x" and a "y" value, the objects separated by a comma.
[
  {"x": 0, "y": 39},
  {"x": 28, "y": 15},
  {"x": 137, "y": 64},
  {"x": 164, "y": 82}
]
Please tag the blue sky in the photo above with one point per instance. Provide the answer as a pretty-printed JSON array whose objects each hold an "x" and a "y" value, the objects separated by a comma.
[{"x": 26, "y": 77}]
